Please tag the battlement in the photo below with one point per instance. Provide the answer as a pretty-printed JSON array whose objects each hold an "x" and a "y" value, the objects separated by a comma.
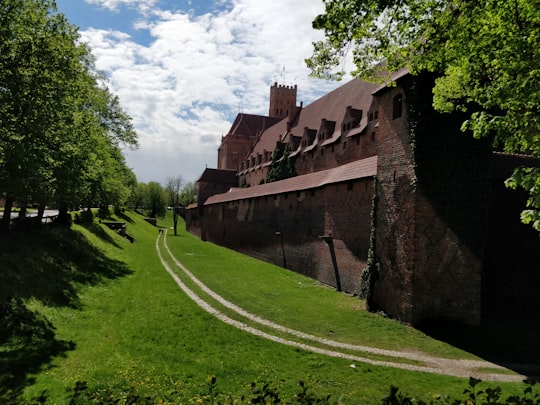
[{"x": 281, "y": 98}]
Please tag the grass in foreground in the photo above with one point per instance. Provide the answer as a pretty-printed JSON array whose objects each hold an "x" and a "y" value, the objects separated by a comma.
[{"x": 121, "y": 320}]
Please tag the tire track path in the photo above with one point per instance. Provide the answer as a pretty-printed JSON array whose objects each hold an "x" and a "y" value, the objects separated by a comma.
[{"x": 451, "y": 367}]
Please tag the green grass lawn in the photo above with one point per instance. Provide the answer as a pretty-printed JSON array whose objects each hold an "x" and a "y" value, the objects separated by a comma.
[{"x": 119, "y": 319}]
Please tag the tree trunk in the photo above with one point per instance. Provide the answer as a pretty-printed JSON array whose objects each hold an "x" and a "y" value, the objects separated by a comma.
[
  {"x": 175, "y": 217},
  {"x": 22, "y": 210},
  {"x": 41, "y": 211},
  {"x": 63, "y": 216},
  {"x": 6, "y": 218}
]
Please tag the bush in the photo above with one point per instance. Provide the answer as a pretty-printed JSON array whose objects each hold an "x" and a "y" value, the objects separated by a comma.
[{"x": 266, "y": 394}]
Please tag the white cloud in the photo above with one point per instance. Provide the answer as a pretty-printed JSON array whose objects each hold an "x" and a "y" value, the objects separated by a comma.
[
  {"x": 113, "y": 5},
  {"x": 184, "y": 89}
]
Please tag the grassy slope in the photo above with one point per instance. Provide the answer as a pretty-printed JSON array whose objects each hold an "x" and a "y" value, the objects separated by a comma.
[{"x": 131, "y": 324}]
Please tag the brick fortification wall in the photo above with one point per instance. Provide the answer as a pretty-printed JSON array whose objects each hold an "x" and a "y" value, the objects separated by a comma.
[
  {"x": 431, "y": 220},
  {"x": 256, "y": 227},
  {"x": 446, "y": 242}
]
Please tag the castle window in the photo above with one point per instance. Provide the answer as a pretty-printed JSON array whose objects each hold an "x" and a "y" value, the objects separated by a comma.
[
  {"x": 376, "y": 114},
  {"x": 371, "y": 116},
  {"x": 372, "y": 136},
  {"x": 397, "y": 106},
  {"x": 344, "y": 145}
]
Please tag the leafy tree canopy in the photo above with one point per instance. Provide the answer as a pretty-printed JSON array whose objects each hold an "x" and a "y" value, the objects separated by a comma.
[
  {"x": 188, "y": 195},
  {"x": 157, "y": 200},
  {"x": 486, "y": 53},
  {"x": 61, "y": 130}
]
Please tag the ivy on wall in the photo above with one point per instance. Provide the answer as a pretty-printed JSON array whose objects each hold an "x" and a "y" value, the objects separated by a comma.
[
  {"x": 451, "y": 166},
  {"x": 282, "y": 166},
  {"x": 371, "y": 272}
]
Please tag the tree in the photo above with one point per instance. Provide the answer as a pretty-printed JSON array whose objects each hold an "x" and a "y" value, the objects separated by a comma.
[
  {"x": 138, "y": 198},
  {"x": 486, "y": 54},
  {"x": 61, "y": 130},
  {"x": 157, "y": 202},
  {"x": 282, "y": 166},
  {"x": 173, "y": 190},
  {"x": 188, "y": 195}
]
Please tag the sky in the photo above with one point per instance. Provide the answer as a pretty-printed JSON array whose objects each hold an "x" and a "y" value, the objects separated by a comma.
[{"x": 183, "y": 69}]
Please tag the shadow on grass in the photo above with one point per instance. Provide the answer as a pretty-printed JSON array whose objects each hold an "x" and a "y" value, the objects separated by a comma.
[
  {"x": 47, "y": 264},
  {"x": 509, "y": 343},
  {"x": 100, "y": 233},
  {"x": 124, "y": 217}
]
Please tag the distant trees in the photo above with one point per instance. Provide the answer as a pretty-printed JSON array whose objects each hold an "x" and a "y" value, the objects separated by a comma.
[
  {"x": 157, "y": 202},
  {"x": 188, "y": 194},
  {"x": 173, "y": 190},
  {"x": 61, "y": 130},
  {"x": 154, "y": 199}
]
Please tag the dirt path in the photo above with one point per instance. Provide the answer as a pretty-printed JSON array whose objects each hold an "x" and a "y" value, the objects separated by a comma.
[{"x": 430, "y": 364}]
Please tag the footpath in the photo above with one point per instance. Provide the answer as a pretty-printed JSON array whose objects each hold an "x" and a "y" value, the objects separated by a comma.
[{"x": 413, "y": 361}]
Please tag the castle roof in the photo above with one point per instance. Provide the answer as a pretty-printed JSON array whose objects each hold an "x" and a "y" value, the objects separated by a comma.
[
  {"x": 332, "y": 106},
  {"x": 351, "y": 171},
  {"x": 250, "y": 124},
  {"x": 220, "y": 176},
  {"x": 505, "y": 163}
]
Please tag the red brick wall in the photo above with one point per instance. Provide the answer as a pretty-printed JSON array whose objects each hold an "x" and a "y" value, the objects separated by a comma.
[
  {"x": 232, "y": 150},
  {"x": 341, "y": 210},
  {"x": 430, "y": 265},
  {"x": 395, "y": 221}
]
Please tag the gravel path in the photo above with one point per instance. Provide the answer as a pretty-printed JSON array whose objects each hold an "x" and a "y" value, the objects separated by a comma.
[{"x": 430, "y": 364}]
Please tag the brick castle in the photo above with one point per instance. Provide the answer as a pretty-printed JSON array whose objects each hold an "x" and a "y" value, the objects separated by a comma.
[{"x": 390, "y": 200}]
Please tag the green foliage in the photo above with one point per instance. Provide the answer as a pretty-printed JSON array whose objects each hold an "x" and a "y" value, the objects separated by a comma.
[
  {"x": 60, "y": 129},
  {"x": 188, "y": 195},
  {"x": 174, "y": 184},
  {"x": 472, "y": 395},
  {"x": 485, "y": 54},
  {"x": 138, "y": 198},
  {"x": 282, "y": 166},
  {"x": 267, "y": 394},
  {"x": 157, "y": 202},
  {"x": 372, "y": 270}
]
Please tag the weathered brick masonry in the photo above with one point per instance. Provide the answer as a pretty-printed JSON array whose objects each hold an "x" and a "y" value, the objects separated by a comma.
[
  {"x": 446, "y": 239},
  {"x": 428, "y": 199},
  {"x": 257, "y": 226}
]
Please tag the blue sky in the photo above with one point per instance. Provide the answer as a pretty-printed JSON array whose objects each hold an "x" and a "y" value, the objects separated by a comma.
[{"x": 183, "y": 69}]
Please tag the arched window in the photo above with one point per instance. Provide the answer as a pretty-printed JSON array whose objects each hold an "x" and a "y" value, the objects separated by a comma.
[{"x": 397, "y": 106}]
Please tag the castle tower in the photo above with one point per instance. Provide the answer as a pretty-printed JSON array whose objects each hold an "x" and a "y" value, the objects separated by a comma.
[{"x": 281, "y": 98}]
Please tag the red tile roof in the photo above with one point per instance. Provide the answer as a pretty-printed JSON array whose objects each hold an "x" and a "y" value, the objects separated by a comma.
[
  {"x": 505, "y": 163},
  {"x": 393, "y": 77},
  {"x": 218, "y": 176},
  {"x": 332, "y": 107},
  {"x": 250, "y": 124},
  {"x": 351, "y": 171}
]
